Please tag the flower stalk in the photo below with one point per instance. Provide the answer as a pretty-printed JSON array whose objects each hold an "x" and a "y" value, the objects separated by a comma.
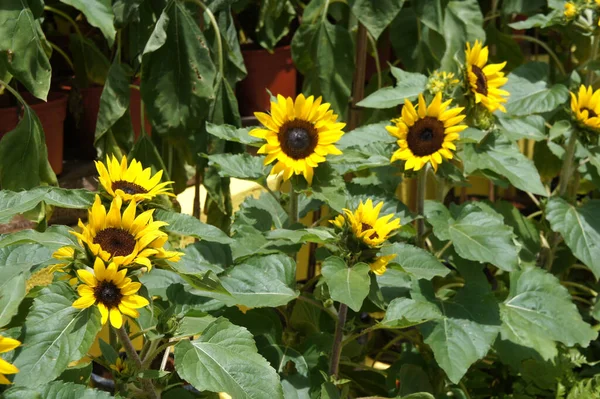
[
  {"x": 132, "y": 354},
  {"x": 336, "y": 350},
  {"x": 421, "y": 188}
]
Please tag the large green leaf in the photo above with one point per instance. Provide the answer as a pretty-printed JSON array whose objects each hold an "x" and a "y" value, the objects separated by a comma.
[
  {"x": 364, "y": 135},
  {"x": 376, "y": 15},
  {"x": 56, "y": 390},
  {"x": 463, "y": 22},
  {"x": 240, "y": 166},
  {"x": 526, "y": 230},
  {"x": 349, "y": 285},
  {"x": 528, "y": 127},
  {"x": 324, "y": 54},
  {"x": 503, "y": 157},
  {"x": 262, "y": 281},
  {"x": 580, "y": 228},
  {"x": 408, "y": 86},
  {"x": 406, "y": 312},
  {"x": 99, "y": 13},
  {"x": 232, "y": 133},
  {"x": 274, "y": 21},
  {"x": 187, "y": 225},
  {"x": 54, "y": 237},
  {"x": 23, "y": 48},
  {"x": 415, "y": 261},
  {"x": 91, "y": 64},
  {"x": 530, "y": 92},
  {"x": 539, "y": 310},
  {"x": 114, "y": 105},
  {"x": 225, "y": 359},
  {"x": 56, "y": 334},
  {"x": 24, "y": 156},
  {"x": 327, "y": 186},
  {"x": 178, "y": 73}
]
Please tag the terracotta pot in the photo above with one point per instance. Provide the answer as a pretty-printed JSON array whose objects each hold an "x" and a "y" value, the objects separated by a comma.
[
  {"x": 52, "y": 117},
  {"x": 275, "y": 72},
  {"x": 134, "y": 108}
]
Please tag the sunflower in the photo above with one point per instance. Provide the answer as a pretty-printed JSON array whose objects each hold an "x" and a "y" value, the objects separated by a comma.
[
  {"x": 485, "y": 80},
  {"x": 379, "y": 264},
  {"x": 299, "y": 135},
  {"x": 121, "y": 366},
  {"x": 570, "y": 10},
  {"x": 586, "y": 107},
  {"x": 112, "y": 292},
  {"x": 130, "y": 183},
  {"x": 367, "y": 226},
  {"x": 426, "y": 134},
  {"x": 126, "y": 239},
  {"x": 6, "y": 345}
]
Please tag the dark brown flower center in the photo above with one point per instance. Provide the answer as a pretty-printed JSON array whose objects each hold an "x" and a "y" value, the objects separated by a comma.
[
  {"x": 117, "y": 242},
  {"x": 107, "y": 293},
  {"x": 365, "y": 227},
  {"x": 128, "y": 187},
  {"x": 481, "y": 81},
  {"x": 298, "y": 138},
  {"x": 591, "y": 113},
  {"x": 426, "y": 136}
]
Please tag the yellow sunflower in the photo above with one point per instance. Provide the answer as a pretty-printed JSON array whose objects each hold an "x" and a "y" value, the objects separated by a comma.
[
  {"x": 131, "y": 182},
  {"x": 299, "y": 135},
  {"x": 570, "y": 10},
  {"x": 6, "y": 345},
  {"x": 112, "y": 292},
  {"x": 124, "y": 239},
  {"x": 367, "y": 226},
  {"x": 379, "y": 265},
  {"x": 485, "y": 80},
  {"x": 426, "y": 134},
  {"x": 586, "y": 107}
]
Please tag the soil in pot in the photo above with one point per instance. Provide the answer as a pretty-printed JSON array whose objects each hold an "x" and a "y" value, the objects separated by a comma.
[
  {"x": 52, "y": 116},
  {"x": 275, "y": 72}
]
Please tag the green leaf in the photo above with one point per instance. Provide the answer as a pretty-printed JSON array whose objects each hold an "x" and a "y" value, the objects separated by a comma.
[
  {"x": 187, "y": 225},
  {"x": 580, "y": 228},
  {"x": 57, "y": 390},
  {"x": 535, "y": 21},
  {"x": 316, "y": 235},
  {"x": 24, "y": 156},
  {"x": 365, "y": 135},
  {"x": 262, "y": 281},
  {"x": 23, "y": 48},
  {"x": 526, "y": 231},
  {"x": 99, "y": 13},
  {"x": 114, "y": 104},
  {"x": 327, "y": 186},
  {"x": 408, "y": 86},
  {"x": 262, "y": 213},
  {"x": 349, "y": 285},
  {"x": 55, "y": 333},
  {"x": 415, "y": 261},
  {"x": 91, "y": 65},
  {"x": 376, "y": 16},
  {"x": 503, "y": 157},
  {"x": 145, "y": 151},
  {"x": 225, "y": 359},
  {"x": 54, "y": 237},
  {"x": 463, "y": 23},
  {"x": 405, "y": 312},
  {"x": 324, "y": 54},
  {"x": 528, "y": 127},
  {"x": 274, "y": 22},
  {"x": 530, "y": 92},
  {"x": 232, "y": 133},
  {"x": 539, "y": 309},
  {"x": 240, "y": 166},
  {"x": 203, "y": 256},
  {"x": 178, "y": 73}
]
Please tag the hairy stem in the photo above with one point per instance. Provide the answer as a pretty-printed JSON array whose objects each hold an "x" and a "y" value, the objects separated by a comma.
[
  {"x": 336, "y": 350},
  {"x": 421, "y": 187},
  {"x": 133, "y": 356}
]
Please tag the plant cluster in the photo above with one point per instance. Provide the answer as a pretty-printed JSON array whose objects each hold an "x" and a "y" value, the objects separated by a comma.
[{"x": 417, "y": 285}]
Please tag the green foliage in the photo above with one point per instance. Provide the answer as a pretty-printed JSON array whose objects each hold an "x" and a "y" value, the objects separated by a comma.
[{"x": 349, "y": 285}]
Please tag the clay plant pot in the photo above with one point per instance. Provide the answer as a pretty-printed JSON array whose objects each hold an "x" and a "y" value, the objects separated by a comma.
[
  {"x": 275, "y": 72},
  {"x": 52, "y": 116}
]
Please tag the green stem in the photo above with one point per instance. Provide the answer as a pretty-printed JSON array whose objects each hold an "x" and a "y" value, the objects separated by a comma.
[
  {"x": 421, "y": 187},
  {"x": 293, "y": 209},
  {"x": 360, "y": 334},
  {"x": 545, "y": 47},
  {"x": 377, "y": 63},
  {"x": 580, "y": 287},
  {"x": 215, "y": 26},
  {"x": 567, "y": 168},
  {"x": 594, "y": 53},
  {"x": 336, "y": 350},
  {"x": 63, "y": 54},
  {"x": 65, "y": 16},
  {"x": 13, "y": 92},
  {"x": 441, "y": 251},
  {"x": 325, "y": 9},
  {"x": 318, "y": 305},
  {"x": 133, "y": 356},
  {"x": 143, "y": 119}
]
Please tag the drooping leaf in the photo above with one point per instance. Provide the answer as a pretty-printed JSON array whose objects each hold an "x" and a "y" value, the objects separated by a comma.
[
  {"x": 274, "y": 21},
  {"x": 90, "y": 63},
  {"x": 376, "y": 16},
  {"x": 324, "y": 54},
  {"x": 349, "y": 285},
  {"x": 225, "y": 359},
  {"x": 262, "y": 281},
  {"x": 24, "y": 156},
  {"x": 55, "y": 333},
  {"x": 408, "y": 86},
  {"x": 99, "y": 13},
  {"x": 580, "y": 228},
  {"x": 23, "y": 48},
  {"x": 462, "y": 24},
  {"x": 539, "y": 310},
  {"x": 187, "y": 225},
  {"x": 178, "y": 73},
  {"x": 415, "y": 261}
]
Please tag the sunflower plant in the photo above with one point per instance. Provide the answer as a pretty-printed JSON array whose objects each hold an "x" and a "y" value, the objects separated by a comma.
[{"x": 422, "y": 228}]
